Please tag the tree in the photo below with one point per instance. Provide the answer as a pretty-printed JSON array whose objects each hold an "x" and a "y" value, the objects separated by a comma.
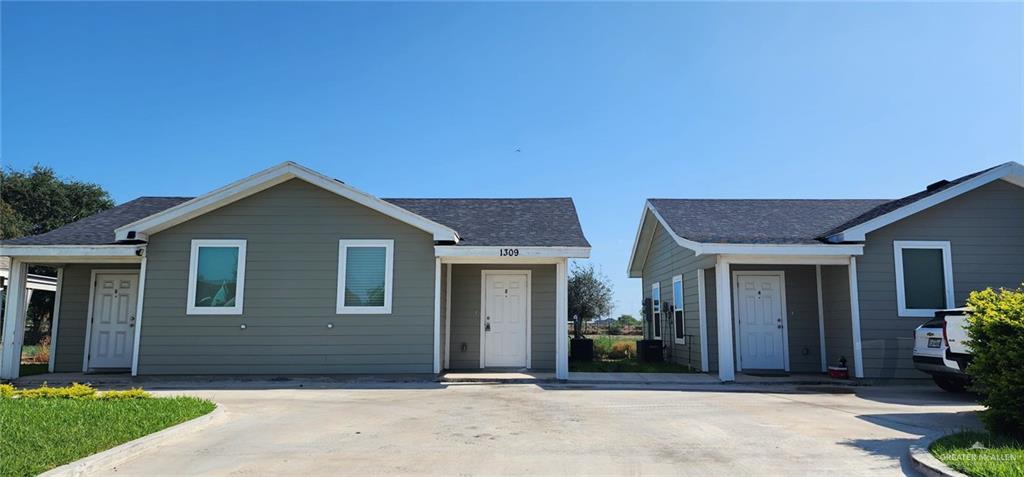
[
  {"x": 590, "y": 296},
  {"x": 38, "y": 201},
  {"x": 628, "y": 320}
]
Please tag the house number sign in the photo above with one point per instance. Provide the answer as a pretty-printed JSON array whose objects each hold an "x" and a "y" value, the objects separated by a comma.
[{"x": 508, "y": 252}]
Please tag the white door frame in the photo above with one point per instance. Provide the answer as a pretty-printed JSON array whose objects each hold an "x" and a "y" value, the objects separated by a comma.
[
  {"x": 483, "y": 312},
  {"x": 88, "y": 316},
  {"x": 736, "y": 312}
]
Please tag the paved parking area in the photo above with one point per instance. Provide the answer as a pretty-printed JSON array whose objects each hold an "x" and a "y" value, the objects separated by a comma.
[{"x": 466, "y": 429}]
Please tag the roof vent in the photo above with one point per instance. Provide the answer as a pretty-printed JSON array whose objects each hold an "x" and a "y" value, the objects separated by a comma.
[{"x": 937, "y": 185}]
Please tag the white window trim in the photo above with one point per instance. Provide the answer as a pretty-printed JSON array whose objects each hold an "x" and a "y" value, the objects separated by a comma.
[
  {"x": 389, "y": 260},
  {"x": 682, "y": 309},
  {"x": 656, "y": 330},
  {"x": 947, "y": 267},
  {"x": 193, "y": 270}
]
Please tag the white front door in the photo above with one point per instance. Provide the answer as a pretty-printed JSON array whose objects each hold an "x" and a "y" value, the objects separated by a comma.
[
  {"x": 505, "y": 298},
  {"x": 112, "y": 331},
  {"x": 759, "y": 315}
]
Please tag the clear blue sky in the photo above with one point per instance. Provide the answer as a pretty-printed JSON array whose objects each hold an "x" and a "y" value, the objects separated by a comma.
[{"x": 609, "y": 103}]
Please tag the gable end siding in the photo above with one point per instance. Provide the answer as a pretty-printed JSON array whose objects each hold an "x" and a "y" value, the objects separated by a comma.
[
  {"x": 985, "y": 228},
  {"x": 292, "y": 232}
]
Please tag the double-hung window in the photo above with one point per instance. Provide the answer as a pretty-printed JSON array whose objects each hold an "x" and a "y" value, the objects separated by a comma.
[
  {"x": 924, "y": 277},
  {"x": 216, "y": 277},
  {"x": 677, "y": 309},
  {"x": 656, "y": 310},
  {"x": 365, "y": 276}
]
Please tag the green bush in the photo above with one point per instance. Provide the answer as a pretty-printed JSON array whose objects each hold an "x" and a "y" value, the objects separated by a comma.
[
  {"x": 996, "y": 331},
  {"x": 6, "y": 391},
  {"x": 134, "y": 393},
  {"x": 74, "y": 391}
]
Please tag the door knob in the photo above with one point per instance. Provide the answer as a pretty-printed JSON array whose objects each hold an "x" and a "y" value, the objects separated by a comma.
[{"x": 487, "y": 324}]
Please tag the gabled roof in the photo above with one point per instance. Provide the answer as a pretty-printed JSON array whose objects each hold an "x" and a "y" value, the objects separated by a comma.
[
  {"x": 504, "y": 222},
  {"x": 98, "y": 229},
  {"x": 856, "y": 228},
  {"x": 480, "y": 222},
  {"x": 759, "y": 221},
  {"x": 793, "y": 227},
  {"x": 264, "y": 180}
]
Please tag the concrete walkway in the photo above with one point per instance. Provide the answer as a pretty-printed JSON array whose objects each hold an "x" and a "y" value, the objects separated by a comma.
[{"x": 558, "y": 429}]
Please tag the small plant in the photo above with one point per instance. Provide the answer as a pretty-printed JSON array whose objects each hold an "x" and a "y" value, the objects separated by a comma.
[
  {"x": 6, "y": 391},
  {"x": 42, "y": 351},
  {"x": 623, "y": 350},
  {"x": 134, "y": 393},
  {"x": 996, "y": 331},
  {"x": 74, "y": 391}
]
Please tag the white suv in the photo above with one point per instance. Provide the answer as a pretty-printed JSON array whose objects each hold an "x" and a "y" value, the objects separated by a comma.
[{"x": 941, "y": 349}]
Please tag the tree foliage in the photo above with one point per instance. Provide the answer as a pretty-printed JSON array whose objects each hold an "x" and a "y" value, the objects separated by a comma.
[
  {"x": 37, "y": 201},
  {"x": 996, "y": 330},
  {"x": 590, "y": 295}
]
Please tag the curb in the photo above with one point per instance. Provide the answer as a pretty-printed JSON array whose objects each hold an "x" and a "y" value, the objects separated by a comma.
[
  {"x": 927, "y": 464},
  {"x": 116, "y": 455}
]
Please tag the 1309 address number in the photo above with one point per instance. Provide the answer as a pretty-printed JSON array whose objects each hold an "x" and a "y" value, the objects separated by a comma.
[{"x": 508, "y": 252}]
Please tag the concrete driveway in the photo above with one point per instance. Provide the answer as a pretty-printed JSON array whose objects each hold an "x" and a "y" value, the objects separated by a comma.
[{"x": 469, "y": 429}]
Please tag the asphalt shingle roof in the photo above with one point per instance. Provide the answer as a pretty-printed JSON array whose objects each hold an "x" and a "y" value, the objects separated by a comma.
[
  {"x": 498, "y": 222},
  {"x": 759, "y": 221},
  {"x": 98, "y": 229},
  {"x": 486, "y": 222}
]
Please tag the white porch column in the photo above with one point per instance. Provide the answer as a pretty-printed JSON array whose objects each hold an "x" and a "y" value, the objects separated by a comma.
[
  {"x": 55, "y": 321},
  {"x": 821, "y": 321},
  {"x": 139, "y": 305},
  {"x": 561, "y": 319},
  {"x": 14, "y": 321},
  {"x": 437, "y": 315},
  {"x": 723, "y": 295},
  {"x": 858, "y": 355}
]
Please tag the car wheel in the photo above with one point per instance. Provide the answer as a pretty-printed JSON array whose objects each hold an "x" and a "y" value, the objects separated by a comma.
[{"x": 951, "y": 384}]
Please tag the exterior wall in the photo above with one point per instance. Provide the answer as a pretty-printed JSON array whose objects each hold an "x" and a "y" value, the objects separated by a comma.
[
  {"x": 74, "y": 312},
  {"x": 835, "y": 292},
  {"x": 711, "y": 302},
  {"x": 666, "y": 259},
  {"x": 466, "y": 306},
  {"x": 802, "y": 314},
  {"x": 985, "y": 228},
  {"x": 292, "y": 232}
]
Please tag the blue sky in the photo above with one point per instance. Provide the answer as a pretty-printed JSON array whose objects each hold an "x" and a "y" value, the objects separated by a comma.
[{"x": 609, "y": 103}]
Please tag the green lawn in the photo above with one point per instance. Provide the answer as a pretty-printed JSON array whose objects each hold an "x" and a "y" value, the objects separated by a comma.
[
  {"x": 627, "y": 366},
  {"x": 999, "y": 457},
  {"x": 40, "y": 434}
]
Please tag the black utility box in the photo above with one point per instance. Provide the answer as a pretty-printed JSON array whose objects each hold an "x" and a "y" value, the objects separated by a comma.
[
  {"x": 581, "y": 349},
  {"x": 649, "y": 351}
]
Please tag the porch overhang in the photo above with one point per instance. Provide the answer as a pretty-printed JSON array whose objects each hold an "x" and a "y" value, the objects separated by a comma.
[
  {"x": 506, "y": 254},
  {"x": 117, "y": 253}
]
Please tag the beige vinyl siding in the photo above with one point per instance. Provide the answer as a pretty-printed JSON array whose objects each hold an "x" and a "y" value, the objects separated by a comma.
[
  {"x": 74, "y": 312},
  {"x": 466, "y": 314},
  {"x": 802, "y": 314},
  {"x": 985, "y": 228},
  {"x": 835, "y": 292},
  {"x": 666, "y": 259},
  {"x": 292, "y": 232}
]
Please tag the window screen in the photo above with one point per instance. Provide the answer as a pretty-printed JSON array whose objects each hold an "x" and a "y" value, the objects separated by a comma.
[{"x": 924, "y": 278}]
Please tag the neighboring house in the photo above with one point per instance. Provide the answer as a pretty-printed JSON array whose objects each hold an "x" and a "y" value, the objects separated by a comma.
[
  {"x": 291, "y": 272},
  {"x": 796, "y": 285}
]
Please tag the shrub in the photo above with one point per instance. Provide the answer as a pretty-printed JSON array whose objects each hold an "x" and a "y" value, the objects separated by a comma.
[
  {"x": 996, "y": 331},
  {"x": 74, "y": 391},
  {"x": 42, "y": 351},
  {"x": 134, "y": 393},
  {"x": 623, "y": 350},
  {"x": 6, "y": 391}
]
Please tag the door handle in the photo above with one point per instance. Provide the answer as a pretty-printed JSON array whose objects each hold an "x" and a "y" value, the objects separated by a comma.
[
  {"x": 487, "y": 324},
  {"x": 131, "y": 322}
]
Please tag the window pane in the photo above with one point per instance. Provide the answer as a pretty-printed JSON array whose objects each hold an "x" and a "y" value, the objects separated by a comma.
[
  {"x": 216, "y": 277},
  {"x": 677, "y": 295},
  {"x": 364, "y": 276},
  {"x": 680, "y": 332},
  {"x": 924, "y": 278},
  {"x": 656, "y": 298}
]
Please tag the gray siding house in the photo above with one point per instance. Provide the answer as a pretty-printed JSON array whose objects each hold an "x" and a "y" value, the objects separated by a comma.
[
  {"x": 794, "y": 286},
  {"x": 291, "y": 272}
]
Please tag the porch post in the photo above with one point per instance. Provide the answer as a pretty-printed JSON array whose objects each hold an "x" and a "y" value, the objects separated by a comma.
[
  {"x": 561, "y": 319},
  {"x": 821, "y": 321},
  {"x": 437, "y": 315},
  {"x": 139, "y": 306},
  {"x": 723, "y": 295},
  {"x": 14, "y": 322},
  {"x": 858, "y": 360},
  {"x": 55, "y": 322}
]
